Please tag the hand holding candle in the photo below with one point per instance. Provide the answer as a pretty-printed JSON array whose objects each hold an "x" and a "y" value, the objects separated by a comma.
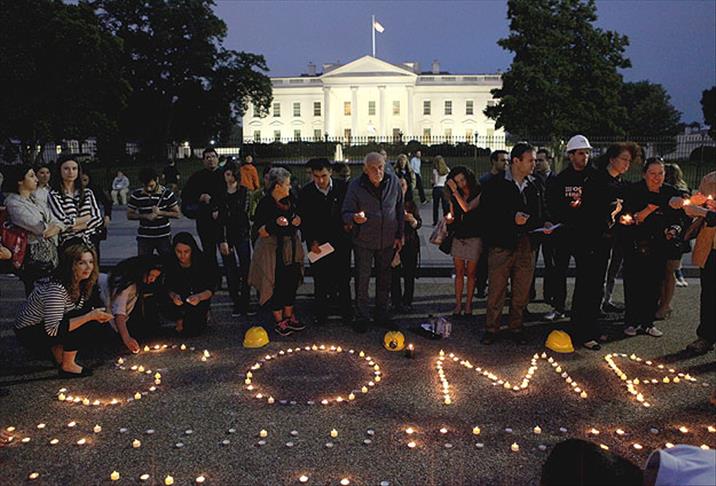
[{"x": 359, "y": 217}]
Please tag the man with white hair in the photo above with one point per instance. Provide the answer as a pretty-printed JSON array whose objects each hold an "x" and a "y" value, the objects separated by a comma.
[{"x": 374, "y": 208}]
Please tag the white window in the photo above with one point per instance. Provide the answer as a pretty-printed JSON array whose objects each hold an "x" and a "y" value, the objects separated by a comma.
[
  {"x": 469, "y": 107},
  {"x": 347, "y": 133},
  {"x": 316, "y": 108},
  {"x": 448, "y": 107},
  {"x": 297, "y": 109},
  {"x": 347, "y": 108},
  {"x": 276, "y": 110},
  {"x": 371, "y": 108},
  {"x": 396, "y": 107},
  {"x": 426, "y": 107}
]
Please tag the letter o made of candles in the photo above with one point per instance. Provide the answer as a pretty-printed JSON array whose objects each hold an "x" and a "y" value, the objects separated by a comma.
[{"x": 373, "y": 372}]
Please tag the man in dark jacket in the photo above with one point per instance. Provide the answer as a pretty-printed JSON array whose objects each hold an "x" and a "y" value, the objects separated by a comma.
[
  {"x": 319, "y": 205},
  {"x": 374, "y": 207},
  {"x": 200, "y": 201},
  {"x": 564, "y": 205},
  {"x": 544, "y": 176},
  {"x": 512, "y": 207}
]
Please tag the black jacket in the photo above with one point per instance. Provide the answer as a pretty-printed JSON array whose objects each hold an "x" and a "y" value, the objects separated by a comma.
[
  {"x": 500, "y": 202},
  {"x": 233, "y": 216},
  {"x": 202, "y": 182},
  {"x": 321, "y": 216}
]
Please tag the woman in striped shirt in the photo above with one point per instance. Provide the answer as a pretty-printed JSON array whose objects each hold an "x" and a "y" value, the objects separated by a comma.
[
  {"x": 74, "y": 205},
  {"x": 60, "y": 316}
]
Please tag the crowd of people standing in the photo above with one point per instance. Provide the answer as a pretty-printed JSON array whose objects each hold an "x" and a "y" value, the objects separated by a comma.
[{"x": 492, "y": 226}]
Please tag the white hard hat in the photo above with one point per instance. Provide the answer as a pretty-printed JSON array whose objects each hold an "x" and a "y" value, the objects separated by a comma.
[{"x": 578, "y": 142}]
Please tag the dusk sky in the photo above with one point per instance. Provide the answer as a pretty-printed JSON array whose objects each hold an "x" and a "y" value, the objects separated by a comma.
[{"x": 672, "y": 42}]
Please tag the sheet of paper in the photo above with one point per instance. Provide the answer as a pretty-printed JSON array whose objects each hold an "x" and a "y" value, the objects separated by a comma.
[
  {"x": 326, "y": 249},
  {"x": 551, "y": 228}
]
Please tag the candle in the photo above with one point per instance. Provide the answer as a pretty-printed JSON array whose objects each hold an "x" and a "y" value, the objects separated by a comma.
[
  {"x": 42, "y": 426},
  {"x": 410, "y": 351},
  {"x": 364, "y": 389},
  {"x": 411, "y": 444},
  {"x": 583, "y": 394},
  {"x": 168, "y": 481},
  {"x": 72, "y": 424},
  {"x": 683, "y": 430},
  {"x": 668, "y": 445},
  {"x": 351, "y": 396},
  {"x": 620, "y": 432},
  {"x": 409, "y": 431},
  {"x": 604, "y": 446},
  {"x": 263, "y": 433},
  {"x": 144, "y": 477},
  {"x": 711, "y": 429},
  {"x": 449, "y": 217},
  {"x": 114, "y": 476},
  {"x": 476, "y": 430},
  {"x": 334, "y": 433},
  {"x": 136, "y": 444},
  {"x": 638, "y": 447},
  {"x": 594, "y": 431},
  {"x": 705, "y": 447},
  {"x": 515, "y": 447},
  {"x": 137, "y": 396},
  {"x": 140, "y": 369},
  {"x": 33, "y": 476},
  {"x": 303, "y": 479},
  {"x": 200, "y": 480},
  {"x": 360, "y": 214},
  {"x": 146, "y": 348},
  {"x": 443, "y": 430},
  {"x": 537, "y": 430},
  {"x": 54, "y": 442},
  {"x": 345, "y": 482},
  {"x": 183, "y": 347},
  {"x": 82, "y": 441},
  {"x": 25, "y": 440},
  {"x": 271, "y": 400}
]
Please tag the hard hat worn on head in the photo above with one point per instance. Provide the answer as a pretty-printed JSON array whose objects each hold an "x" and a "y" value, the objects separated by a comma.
[
  {"x": 256, "y": 337},
  {"x": 559, "y": 342},
  {"x": 578, "y": 142},
  {"x": 394, "y": 341}
]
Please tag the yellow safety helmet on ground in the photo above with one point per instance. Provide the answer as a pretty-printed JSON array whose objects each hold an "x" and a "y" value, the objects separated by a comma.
[
  {"x": 560, "y": 342},
  {"x": 256, "y": 337},
  {"x": 394, "y": 341}
]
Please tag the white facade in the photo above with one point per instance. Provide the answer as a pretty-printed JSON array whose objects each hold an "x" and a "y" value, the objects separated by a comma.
[{"x": 370, "y": 97}]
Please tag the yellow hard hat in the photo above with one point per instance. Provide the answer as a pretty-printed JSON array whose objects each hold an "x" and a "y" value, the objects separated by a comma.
[
  {"x": 394, "y": 341},
  {"x": 560, "y": 342},
  {"x": 256, "y": 337}
]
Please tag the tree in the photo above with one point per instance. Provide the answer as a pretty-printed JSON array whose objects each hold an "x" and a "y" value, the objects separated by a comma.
[
  {"x": 708, "y": 106},
  {"x": 186, "y": 86},
  {"x": 649, "y": 112},
  {"x": 60, "y": 74},
  {"x": 563, "y": 78}
]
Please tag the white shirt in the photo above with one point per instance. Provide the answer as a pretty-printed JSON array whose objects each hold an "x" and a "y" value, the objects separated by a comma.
[
  {"x": 440, "y": 180},
  {"x": 415, "y": 165},
  {"x": 520, "y": 187}
]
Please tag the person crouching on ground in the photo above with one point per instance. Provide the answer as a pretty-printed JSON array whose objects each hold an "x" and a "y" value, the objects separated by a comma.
[
  {"x": 64, "y": 315},
  {"x": 277, "y": 266},
  {"x": 190, "y": 282},
  {"x": 128, "y": 294}
]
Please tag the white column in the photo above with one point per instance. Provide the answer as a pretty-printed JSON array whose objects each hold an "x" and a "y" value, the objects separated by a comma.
[
  {"x": 381, "y": 111},
  {"x": 327, "y": 128},
  {"x": 354, "y": 111},
  {"x": 411, "y": 116}
]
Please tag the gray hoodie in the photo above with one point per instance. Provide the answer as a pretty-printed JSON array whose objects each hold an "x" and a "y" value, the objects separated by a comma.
[{"x": 31, "y": 215}]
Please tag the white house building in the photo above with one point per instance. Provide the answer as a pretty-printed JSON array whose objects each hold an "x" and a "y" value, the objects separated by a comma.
[{"x": 369, "y": 98}]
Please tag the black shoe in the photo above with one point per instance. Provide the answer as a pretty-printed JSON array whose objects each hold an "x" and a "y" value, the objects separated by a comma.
[
  {"x": 282, "y": 329},
  {"x": 82, "y": 374},
  {"x": 610, "y": 308},
  {"x": 518, "y": 337},
  {"x": 488, "y": 338}
]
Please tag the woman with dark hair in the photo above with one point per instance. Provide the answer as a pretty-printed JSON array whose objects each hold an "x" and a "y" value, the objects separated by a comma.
[
  {"x": 235, "y": 237},
  {"x": 128, "y": 293},
  {"x": 24, "y": 211},
  {"x": 277, "y": 267},
  {"x": 403, "y": 171},
  {"x": 64, "y": 315},
  {"x": 440, "y": 172},
  {"x": 407, "y": 259},
  {"x": 650, "y": 227},
  {"x": 72, "y": 204},
  {"x": 190, "y": 284},
  {"x": 464, "y": 191},
  {"x": 105, "y": 207}
]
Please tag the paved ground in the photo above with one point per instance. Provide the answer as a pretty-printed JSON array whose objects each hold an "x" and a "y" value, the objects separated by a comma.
[{"x": 210, "y": 399}]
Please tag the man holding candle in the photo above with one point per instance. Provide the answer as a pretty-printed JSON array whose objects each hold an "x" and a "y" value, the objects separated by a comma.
[
  {"x": 512, "y": 206},
  {"x": 374, "y": 208}
]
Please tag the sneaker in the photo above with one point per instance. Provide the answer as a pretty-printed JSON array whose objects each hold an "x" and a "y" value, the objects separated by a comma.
[
  {"x": 632, "y": 331},
  {"x": 653, "y": 331},
  {"x": 612, "y": 308},
  {"x": 681, "y": 282},
  {"x": 554, "y": 315},
  {"x": 293, "y": 324},
  {"x": 700, "y": 346},
  {"x": 282, "y": 328},
  {"x": 592, "y": 345}
]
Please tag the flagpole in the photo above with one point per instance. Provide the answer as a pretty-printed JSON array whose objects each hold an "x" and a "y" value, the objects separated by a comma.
[{"x": 372, "y": 30}]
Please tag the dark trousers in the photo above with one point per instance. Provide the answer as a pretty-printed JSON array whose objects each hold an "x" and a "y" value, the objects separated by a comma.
[
  {"x": 438, "y": 200},
  {"x": 565, "y": 247},
  {"x": 547, "y": 248},
  {"x": 195, "y": 316},
  {"x": 286, "y": 281},
  {"x": 592, "y": 259},
  {"x": 420, "y": 188},
  {"x": 407, "y": 269},
  {"x": 236, "y": 266},
  {"x": 364, "y": 261},
  {"x": 35, "y": 339},
  {"x": 147, "y": 246},
  {"x": 331, "y": 277},
  {"x": 209, "y": 236},
  {"x": 481, "y": 271},
  {"x": 643, "y": 278},
  {"x": 707, "y": 325}
]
